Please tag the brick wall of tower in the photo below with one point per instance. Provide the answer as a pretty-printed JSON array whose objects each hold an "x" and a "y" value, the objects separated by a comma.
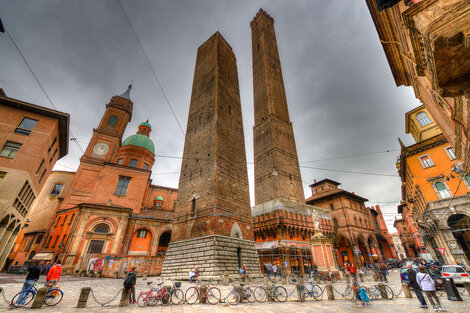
[
  {"x": 213, "y": 188},
  {"x": 274, "y": 143}
]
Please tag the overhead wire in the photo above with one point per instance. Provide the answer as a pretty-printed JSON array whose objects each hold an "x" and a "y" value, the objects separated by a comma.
[
  {"x": 150, "y": 66},
  {"x": 40, "y": 85}
]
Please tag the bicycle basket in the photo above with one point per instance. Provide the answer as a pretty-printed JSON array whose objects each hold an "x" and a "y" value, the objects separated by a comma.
[{"x": 178, "y": 284}]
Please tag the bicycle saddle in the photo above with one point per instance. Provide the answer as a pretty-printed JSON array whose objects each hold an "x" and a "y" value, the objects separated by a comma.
[
  {"x": 149, "y": 283},
  {"x": 242, "y": 285}
]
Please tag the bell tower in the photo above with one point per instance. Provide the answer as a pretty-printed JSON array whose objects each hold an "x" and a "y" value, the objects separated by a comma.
[{"x": 106, "y": 140}]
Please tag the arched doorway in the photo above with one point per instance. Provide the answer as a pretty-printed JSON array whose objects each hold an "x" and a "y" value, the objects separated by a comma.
[
  {"x": 98, "y": 239},
  {"x": 385, "y": 247},
  {"x": 163, "y": 243},
  {"x": 140, "y": 242},
  {"x": 344, "y": 250},
  {"x": 460, "y": 225},
  {"x": 364, "y": 255}
]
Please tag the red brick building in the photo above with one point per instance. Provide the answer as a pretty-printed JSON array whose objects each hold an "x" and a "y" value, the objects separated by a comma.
[
  {"x": 32, "y": 139},
  {"x": 359, "y": 230},
  {"x": 109, "y": 215},
  {"x": 409, "y": 235}
]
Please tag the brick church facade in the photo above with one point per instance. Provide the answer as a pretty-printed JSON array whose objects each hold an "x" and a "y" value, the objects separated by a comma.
[{"x": 107, "y": 215}]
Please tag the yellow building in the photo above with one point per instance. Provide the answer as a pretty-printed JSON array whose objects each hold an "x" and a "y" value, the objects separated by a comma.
[{"x": 434, "y": 189}]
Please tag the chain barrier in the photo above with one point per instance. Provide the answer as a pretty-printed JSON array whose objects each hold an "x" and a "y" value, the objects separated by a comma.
[
  {"x": 334, "y": 289},
  {"x": 104, "y": 303},
  {"x": 4, "y": 297},
  {"x": 396, "y": 294}
]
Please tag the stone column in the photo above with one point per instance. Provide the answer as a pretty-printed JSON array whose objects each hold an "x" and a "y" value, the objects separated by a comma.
[
  {"x": 4, "y": 241},
  {"x": 118, "y": 235}
]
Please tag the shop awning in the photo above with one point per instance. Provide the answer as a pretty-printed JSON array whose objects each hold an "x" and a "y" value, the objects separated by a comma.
[
  {"x": 267, "y": 245},
  {"x": 43, "y": 256}
]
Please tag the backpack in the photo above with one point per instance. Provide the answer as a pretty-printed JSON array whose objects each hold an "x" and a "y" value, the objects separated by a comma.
[{"x": 128, "y": 281}]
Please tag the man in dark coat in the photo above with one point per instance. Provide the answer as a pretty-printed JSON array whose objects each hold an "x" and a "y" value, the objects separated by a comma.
[{"x": 414, "y": 284}]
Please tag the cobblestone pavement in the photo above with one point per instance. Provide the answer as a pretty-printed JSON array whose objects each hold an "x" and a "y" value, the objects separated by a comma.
[{"x": 105, "y": 289}]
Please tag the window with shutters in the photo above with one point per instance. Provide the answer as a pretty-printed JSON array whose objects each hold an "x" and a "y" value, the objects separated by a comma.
[
  {"x": 442, "y": 190},
  {"x": 112, "y": 121},
  {"x": 423, "y": 119},
  {"x": 24, "y": 199}
]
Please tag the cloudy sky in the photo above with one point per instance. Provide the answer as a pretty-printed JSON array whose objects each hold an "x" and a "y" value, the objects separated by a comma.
[{"x": 343, "y": 101}]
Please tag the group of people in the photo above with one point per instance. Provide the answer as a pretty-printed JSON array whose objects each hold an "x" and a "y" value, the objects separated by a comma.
[
  {"x": 53, "y": 274},
  {"x": 424, "y": 281},
  {"x": 272, "y": 269}
]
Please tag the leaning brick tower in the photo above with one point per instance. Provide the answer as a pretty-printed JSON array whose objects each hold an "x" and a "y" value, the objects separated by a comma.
[
  {"x": 277, "y": 172},
  {"x": 212, "y": 227}
]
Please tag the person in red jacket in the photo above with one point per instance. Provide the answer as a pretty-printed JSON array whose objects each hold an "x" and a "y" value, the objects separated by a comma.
[
  {"x": 53, "y": 275},
  {"x": 352, "y": 271}
]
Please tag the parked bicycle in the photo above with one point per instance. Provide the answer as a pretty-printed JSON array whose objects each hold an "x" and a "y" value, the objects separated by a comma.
[
  {"x": 212, "y": 293},
  {"x": 154, "y": 296},
  {"x": 276, "y": 292},
  {"x": 24, "y": 297},
  {"x": 314, "y": 291},
  {"x": 176, "y": 294},
  {"x": 247, "y": 294}
]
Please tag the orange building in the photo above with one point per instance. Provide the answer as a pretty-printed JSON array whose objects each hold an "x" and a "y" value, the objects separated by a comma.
[
  {"x": 434, "y": 192},
  {"x": 358, "y": 236},
  {"x": 32, "y": 139},
  {"x": 108, "y": 216}
]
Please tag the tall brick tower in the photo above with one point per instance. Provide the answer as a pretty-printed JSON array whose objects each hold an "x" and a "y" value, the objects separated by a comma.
[
  {"x": 212, "y": 228},
  {"x": 277, "y": 173},
  {"x": 278, "y": 184}
]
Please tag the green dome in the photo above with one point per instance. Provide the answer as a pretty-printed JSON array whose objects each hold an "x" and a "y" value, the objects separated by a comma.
[
  {"x": 159, "y": 198},
  {"x": 140, "y": 141},
  {"x": 146, "y": 124}
]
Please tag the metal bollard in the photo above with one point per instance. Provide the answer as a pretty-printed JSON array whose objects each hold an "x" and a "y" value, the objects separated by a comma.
[
  {"x": 284, "y": 279},
  {"x": 266, "y": 279},
  {"x": 226, "y": 279},
  {"x": 406, "y": 290},
  {"x": 246, "y": 280},
  {"x": 82, "y": 300},
  {"x": 298, "y": 287},
  {"x": 145, "y": 275},
  {"x": 361, "y": 277},
  {"x": 39, "y": 299},
  {"x": 348, "y": 278},
  {"x": 202, "y": 292},
  {"x": 125, "y": 297},
  {"x": 375, "y": 277},
  {"x": 329, "y": 291}
]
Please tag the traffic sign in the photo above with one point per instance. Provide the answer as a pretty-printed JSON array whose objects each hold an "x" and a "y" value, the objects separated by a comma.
[{"x": 441, "y": 250}]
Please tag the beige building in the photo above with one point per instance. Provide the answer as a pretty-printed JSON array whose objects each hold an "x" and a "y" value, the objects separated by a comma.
[
  {"x": 32, "y": 139},
  {"x": 41, "y": 216},
  {"x": 398, "y": 246}
]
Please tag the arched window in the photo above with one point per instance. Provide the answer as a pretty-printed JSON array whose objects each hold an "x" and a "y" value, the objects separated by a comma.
[
  {"x": 193, "y": 206},
  {"x": 423, "y": 119},
  {"x": 335, "y": 221},
  {"x": 56, "y": 190},
  {"x": 441, "y": 188},
  {"x": 112, "y": 121},
  {"x": 102, "y": 229},
  {"x": 355, "y": 220}
]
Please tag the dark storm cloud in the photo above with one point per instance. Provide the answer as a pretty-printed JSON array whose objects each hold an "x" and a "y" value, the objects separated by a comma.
[{"x": 342, "y": 97}]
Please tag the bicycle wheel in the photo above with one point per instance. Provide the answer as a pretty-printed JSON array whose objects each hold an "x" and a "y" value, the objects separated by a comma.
[
  {"x": 388, "y": 294},
  {"x": 317, "y": 293},
  {"x": 373, "y": 293},
  {"x": 233, "y": 298},
  {"x": 22, "y": 298},
  {"x": 349, "y": 293},
  {"x": 304, "y": 294},
  {"x": 142, "y": 300},
  {"x": 213, "y": 295},
  {"x": 260, "y": 294},
  {"x": 165, "y": 298},
  {"x": 280, "y": 293},
  {"x": 249, "y": 295},
  {"x": 191, "y": 295},
  {"x": 177, "y": 296},
  {"x": 53, "y": 297}
]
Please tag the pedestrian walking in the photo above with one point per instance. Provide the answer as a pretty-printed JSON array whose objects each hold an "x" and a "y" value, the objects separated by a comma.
[
  {"x": 34, "y": 272},
  {"x": 269, "y": 269},
  {"x": 426, "y": 283},
  {"x": 275, "y": 271},
  {"x": 129, "y": 283},
  {"x": 352, "y": 271},
  {"x": 53, "y": 275},
  {"x": 414, "y": 284},
  {"x": 383, "y": 272}
]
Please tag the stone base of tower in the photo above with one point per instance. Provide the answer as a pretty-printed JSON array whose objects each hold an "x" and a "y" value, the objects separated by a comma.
[{"x": 213, "y": 255}]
